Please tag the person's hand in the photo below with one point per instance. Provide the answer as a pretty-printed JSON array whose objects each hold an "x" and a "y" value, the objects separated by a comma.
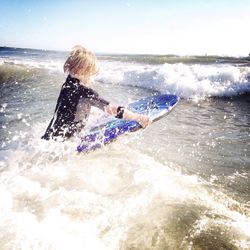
[{"x": 144, "y": 121}]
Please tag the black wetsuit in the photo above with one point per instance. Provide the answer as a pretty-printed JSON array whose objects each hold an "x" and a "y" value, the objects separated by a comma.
[{"x": 72, "y": 109}]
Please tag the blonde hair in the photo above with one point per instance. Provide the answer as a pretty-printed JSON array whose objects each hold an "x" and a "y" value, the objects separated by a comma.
[{"x": 81, "y": 60}]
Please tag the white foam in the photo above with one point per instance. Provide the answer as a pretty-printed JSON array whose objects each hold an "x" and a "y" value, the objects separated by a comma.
[
  {"x": 55, "y": 65},
  {"x": 53, "y": 198},
  {"x": 186, "y": 81}
]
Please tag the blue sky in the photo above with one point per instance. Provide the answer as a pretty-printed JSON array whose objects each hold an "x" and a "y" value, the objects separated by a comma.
[{"x": 181, "y": 27}]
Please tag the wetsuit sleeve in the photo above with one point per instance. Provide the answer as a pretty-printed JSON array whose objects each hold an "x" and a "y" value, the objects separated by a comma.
[{"x": 94, "y": 99}]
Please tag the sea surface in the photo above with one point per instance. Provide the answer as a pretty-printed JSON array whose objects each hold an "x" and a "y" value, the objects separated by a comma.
[{"x": 182, "y": 183}]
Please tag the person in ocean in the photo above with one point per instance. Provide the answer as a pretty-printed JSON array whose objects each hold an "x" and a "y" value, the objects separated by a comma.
[{"x": 76, "y": 98}]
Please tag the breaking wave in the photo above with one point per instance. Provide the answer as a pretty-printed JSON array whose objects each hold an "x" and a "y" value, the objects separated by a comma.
[
  {"x": 186, "y": 81},
  {"x": 194, "y": 82}
]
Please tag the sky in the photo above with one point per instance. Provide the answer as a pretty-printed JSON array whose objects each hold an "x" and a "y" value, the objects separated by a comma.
[{"x": 182, "y": 27}]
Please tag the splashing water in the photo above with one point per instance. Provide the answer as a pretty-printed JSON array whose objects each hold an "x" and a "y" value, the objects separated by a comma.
[{"x": 183, "y": 183}]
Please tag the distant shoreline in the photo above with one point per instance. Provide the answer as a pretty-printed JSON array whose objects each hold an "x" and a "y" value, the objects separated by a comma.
[{"x": 147, "y": 58}]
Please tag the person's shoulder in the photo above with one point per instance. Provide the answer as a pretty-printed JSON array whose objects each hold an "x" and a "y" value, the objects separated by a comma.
[
  {"x": 87, "y": 92},
  {"x": 90, "y": 92},
  {"x": 71, "y": 83}
]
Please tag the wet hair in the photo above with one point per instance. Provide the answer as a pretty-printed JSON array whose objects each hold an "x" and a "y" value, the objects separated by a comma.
[{"x": 81, "y": 61}]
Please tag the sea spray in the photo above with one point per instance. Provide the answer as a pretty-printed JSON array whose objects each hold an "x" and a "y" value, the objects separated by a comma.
[
  {"x": 182, "y": 183},
  {"x": 186, "y": 81}
]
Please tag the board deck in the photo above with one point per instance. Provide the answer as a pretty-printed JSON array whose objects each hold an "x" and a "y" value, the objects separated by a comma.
[{"x": 154, "y": 106}]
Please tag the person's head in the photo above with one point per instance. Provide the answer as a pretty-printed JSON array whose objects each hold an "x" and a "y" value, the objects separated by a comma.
[{"x": 81, "y": 63}]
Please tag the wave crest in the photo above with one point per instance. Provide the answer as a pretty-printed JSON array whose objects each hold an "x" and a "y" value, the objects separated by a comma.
[
  {"x": 186, "y": 81},
  {"x": 196, "y": 81}
]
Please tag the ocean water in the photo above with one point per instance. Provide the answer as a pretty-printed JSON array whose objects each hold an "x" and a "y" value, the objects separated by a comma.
[{"x": 182, "y": 183}]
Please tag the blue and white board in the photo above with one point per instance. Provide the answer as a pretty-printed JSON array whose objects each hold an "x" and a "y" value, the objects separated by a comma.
[{"x": 153, "y": 106}]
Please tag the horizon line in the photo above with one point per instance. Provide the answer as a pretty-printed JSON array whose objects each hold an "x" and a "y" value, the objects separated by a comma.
[{"x": 130, "y": 54}]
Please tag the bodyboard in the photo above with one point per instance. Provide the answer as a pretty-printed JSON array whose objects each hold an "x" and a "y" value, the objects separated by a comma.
[{"x": 154, "y": 106}]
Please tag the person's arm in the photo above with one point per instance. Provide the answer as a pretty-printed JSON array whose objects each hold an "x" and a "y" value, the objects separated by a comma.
[
  {"x": 117, "y": 111},
  {"x": 121, "y": 112}
]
